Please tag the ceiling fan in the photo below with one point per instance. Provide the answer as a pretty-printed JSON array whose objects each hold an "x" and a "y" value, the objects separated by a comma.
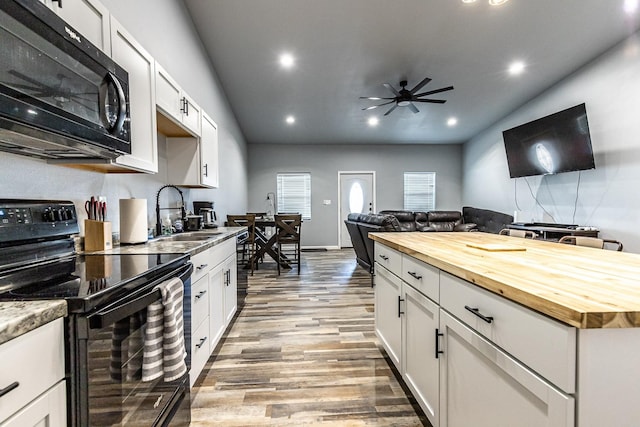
[{"x": 406, "y": 98}]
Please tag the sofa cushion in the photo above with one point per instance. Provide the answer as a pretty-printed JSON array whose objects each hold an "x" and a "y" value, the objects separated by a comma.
[{"x": 406, "y": 219}]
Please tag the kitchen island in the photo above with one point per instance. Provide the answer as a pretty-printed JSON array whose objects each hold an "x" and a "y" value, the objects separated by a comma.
[{"x": 524, "y": 332}]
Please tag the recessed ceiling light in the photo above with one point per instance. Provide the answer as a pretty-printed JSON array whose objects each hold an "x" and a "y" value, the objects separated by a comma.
[
  {"x": 516, "y": 68},
  {"x": 468, "y": 1},
  {"x": 452, "y": 121},
  {"x": 630, "y": 6},
  {"x": 290, "y": 120},
  {"x": 373, "y": 121},
  {"x": 287, "y": 60},
  {"x": 497, "y": 2}
]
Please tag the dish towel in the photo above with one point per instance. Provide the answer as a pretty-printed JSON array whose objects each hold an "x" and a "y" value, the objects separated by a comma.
[{"x": 164, "y": 349}]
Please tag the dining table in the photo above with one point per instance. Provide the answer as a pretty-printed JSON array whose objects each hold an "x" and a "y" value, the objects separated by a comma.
[{"x": 266, "y": 244}]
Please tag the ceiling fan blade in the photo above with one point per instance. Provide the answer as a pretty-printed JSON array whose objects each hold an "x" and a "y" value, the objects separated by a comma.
[
  {"x": 376, "y": 106},
  {"x": 413, "y": 108},
  {"x": 374, "y": 98},
  {"x": 419, "y": 85},
  {"x": 433, "y": 101},
  {"x": 431, "y": 92},
  {"x": 391, "y": 88},
  {"x": 390, "y": 110}
]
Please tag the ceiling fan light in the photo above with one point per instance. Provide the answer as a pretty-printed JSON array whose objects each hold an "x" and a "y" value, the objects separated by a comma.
[
  {"x": 497, "y": 2},
  {"x": 403, "y": 103}
]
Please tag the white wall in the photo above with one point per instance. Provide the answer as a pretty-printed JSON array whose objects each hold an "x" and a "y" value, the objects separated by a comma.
[
  {"x": 324, "y": 161},
  {"x": 607, "y": 198},
  {"x": 164, "y": 28}
]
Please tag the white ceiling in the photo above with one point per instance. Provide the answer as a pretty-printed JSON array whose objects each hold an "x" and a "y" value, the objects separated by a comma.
[{"x": 345, "y": 49}]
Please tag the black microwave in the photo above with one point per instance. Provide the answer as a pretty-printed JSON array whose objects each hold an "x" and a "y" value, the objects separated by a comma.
[{"x": 60, "y": 96}]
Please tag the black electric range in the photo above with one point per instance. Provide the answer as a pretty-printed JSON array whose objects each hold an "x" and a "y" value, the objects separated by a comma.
[{"x": 107, "y": 298}]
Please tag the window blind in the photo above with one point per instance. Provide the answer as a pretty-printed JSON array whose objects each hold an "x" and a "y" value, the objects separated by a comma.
[
  {"x": 294, "y": 193},
  {"x": 419, "y": 191}
]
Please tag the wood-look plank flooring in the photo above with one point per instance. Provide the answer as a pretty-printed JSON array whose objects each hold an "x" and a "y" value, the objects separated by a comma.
[{"x": 303, "y": 351}]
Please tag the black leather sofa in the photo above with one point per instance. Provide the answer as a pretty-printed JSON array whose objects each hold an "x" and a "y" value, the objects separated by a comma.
[
  {"x": 487, "y": 221},
  {"x": 470, "y": 219}
]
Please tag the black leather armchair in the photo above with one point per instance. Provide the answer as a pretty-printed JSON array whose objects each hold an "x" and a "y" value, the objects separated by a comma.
[{"x": 359, "y": 226}]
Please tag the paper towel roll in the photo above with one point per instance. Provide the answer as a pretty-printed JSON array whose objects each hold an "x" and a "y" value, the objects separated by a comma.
[{"x": 133, "y": 220}]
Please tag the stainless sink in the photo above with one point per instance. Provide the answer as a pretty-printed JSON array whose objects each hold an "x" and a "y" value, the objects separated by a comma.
[{"x": 186, "y": 238}]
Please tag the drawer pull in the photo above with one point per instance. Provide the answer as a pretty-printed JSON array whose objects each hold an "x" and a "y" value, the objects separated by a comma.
[
  {"x": 200, "y": 294},
  {"x": 438, "y": 335},
  {"x": 201, "y": 266},
  {"x": 414, "y": 275},
  {"x": 201, "y": 343},
  {"x": 476, "y": 311},
  {"x": 14, "y": 385},
  {"x": 384, "y": 257}
]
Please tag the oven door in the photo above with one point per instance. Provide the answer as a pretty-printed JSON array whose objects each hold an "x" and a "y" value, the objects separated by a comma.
[
  {"x": 51, "y": 78},
  {"x": 110, "y": 390}
]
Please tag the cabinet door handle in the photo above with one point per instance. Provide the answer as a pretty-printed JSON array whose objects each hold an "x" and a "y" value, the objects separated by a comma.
[
  {"x": 185, "y": 106},
  {"x": 438, "y": 335},
  {"x": 201, "y": 343},
  {"x": 200, "y": 294},
  {"x": 14, "y": 385},
  {"x": 476, "y": 311},
  {"x": 384, "y": 257},
  {"x": 206, "y": 169},
  {"x": 201, "y": 266},
  {"x": 414, "y": 275},
  {"x": 400, "y": 299}
]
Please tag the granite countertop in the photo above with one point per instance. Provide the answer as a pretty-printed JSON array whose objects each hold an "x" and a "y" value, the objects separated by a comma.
[
  {"x": 165, "y": 244},
  {"x": 20, "y": 317}
]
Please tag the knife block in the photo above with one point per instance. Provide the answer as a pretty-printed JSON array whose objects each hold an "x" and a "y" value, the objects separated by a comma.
[{"x": 97, "y": 235}]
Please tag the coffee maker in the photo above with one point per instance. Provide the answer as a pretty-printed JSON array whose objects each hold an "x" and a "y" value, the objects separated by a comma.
[{"x": 205, "y": 209}]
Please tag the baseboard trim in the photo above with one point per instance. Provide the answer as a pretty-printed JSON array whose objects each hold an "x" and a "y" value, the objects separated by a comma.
[{"x": 319, "y": 248}]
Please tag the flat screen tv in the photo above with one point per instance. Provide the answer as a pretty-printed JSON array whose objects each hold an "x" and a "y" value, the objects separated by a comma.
[{"x": 556, "y": 143}]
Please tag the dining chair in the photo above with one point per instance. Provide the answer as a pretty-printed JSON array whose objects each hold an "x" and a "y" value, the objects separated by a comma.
[
  {"x": 246, "y": 247},
  {"x": 288, "y": 227},
  {"x": 526, "y": 234},
  {"x": 591, "y": 242}
]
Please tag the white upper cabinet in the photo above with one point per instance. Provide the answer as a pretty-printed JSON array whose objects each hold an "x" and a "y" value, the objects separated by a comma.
[
  {"x": 140, "y": 65},
  {"x": 175, "y": 104},
  {"x": 89, "y": 17},
  {"x": 193, "y": 162},
  {"x": 209, "y": 152}
]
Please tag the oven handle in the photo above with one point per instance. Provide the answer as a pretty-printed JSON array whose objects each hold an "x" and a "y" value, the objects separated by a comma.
[{"x": 111, "y": 314}]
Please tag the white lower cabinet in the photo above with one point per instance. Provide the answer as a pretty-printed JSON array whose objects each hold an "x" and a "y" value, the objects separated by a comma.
[
  {"x": 200, "y": 335},
  {"x": 216, "y": 306},
  {"x": 32, "y": 378},
  {"x": 420, "y": 323},
  {"x": 482, "y": 386},
  {"x": 230, "y": 288},
  {"x": 469, "y": 357},
  {"x": 388, "y": 321},
  {"x": 213, "y": 301}
]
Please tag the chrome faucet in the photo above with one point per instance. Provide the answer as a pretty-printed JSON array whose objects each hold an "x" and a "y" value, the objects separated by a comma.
[{"x": 183, "y": 213}]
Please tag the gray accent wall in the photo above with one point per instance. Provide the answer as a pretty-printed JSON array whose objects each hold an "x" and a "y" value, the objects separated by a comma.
[
  {"x": 165, "y": 30},
  {"x": 325, "y": 161},
  {"x": 607, "y": 197}
]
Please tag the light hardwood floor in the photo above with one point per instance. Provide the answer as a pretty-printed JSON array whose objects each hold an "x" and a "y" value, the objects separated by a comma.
[{"x": 303, "y": 351}]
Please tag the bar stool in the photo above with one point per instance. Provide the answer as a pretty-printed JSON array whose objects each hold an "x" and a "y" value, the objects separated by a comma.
[
  {"x": 246, "y": 247},
  {"x": 526, "y": 234},
  {"x": 591, "y": 242}
]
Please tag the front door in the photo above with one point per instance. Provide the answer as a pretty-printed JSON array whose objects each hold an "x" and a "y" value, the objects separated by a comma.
[{"x": 356, "y": 192}]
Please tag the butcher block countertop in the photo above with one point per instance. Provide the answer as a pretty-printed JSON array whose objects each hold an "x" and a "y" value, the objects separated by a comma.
[{"x": 582, "y": 287}]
